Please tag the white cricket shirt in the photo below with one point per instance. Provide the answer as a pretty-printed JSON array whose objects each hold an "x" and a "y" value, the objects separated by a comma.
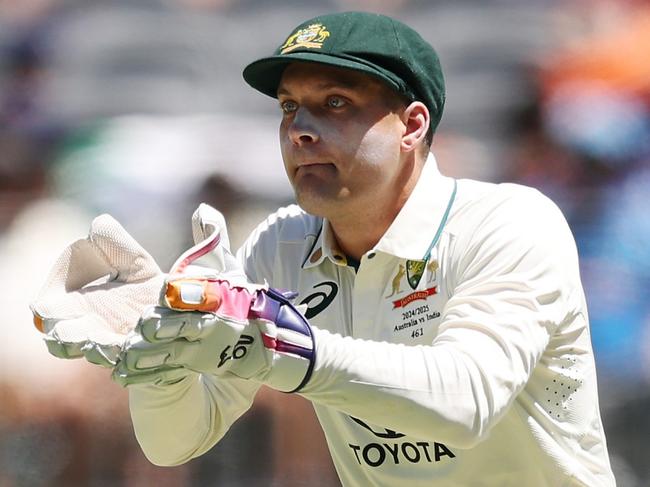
[{"x": 458, "y": 353}]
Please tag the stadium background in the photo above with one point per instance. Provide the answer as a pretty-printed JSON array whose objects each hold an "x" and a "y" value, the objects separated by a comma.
[{"x": 138, "y": 109}]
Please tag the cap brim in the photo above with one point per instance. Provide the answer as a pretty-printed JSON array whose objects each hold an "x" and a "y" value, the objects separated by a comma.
[{"x": 264, "y": 74}]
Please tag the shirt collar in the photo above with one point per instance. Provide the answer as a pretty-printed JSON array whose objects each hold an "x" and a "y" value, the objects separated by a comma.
[
  {"x": 412, "y": 233},
  {"x": 421, "y": 219},
  {"x": 324, "y": 247}
]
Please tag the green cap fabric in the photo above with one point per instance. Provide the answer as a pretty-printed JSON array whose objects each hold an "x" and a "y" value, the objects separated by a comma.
[{"x": 371, "y": 43}]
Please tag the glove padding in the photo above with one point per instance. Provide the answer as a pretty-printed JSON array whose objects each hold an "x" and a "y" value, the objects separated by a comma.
[
  {"x": 95, "y": 294},
  {"x": 244, "y": 330},
  {"x": 100, "y": 286}
]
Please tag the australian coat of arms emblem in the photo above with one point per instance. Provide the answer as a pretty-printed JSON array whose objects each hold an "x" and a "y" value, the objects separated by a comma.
[{"x": 311, "y": 37}]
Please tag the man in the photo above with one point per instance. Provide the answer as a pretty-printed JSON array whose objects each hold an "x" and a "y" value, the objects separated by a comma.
[{"x": 445, "y": 339}]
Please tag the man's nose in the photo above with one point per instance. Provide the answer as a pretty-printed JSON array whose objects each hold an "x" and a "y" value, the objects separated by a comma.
[{"x": 302, "y": 129}]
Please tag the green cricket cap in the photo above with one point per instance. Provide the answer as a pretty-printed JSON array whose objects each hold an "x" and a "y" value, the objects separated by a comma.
[{"x": 370, "y": 43}]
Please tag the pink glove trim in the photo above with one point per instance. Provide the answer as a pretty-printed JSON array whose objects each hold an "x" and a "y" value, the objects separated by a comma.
[
  {"x": 216, "y": 296},
  {"x": 195, "y": 252}
]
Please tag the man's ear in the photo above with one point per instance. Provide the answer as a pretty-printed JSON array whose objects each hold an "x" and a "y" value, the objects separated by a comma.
[{"x": 416, "y": 124}]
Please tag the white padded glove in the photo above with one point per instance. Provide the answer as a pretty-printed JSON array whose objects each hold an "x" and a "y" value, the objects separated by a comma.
[
  {"x": 250, "y": 332},
  {"x": 101, "y": 285},
  {"x": 95, "y": 293},
  {"x": 214, "y": 321}
]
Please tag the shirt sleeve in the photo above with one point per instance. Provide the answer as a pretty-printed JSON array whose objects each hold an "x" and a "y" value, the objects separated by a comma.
[
  {"x": 514, "y": 280},
  {"x": 175, "y": 423}
]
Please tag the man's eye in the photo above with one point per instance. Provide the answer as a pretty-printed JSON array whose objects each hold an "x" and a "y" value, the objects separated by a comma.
[
  {"x": 335, "y": 102},
  {"x": 289, "y": 106}
]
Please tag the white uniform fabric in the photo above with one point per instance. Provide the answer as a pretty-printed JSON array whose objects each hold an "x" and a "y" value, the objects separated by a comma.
[{"x": 458, "y": 353}]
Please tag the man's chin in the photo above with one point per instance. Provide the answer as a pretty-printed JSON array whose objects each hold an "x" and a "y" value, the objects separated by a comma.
[
  {"x": 315, "y": 210},
  {"x": 316, "y": 204}
]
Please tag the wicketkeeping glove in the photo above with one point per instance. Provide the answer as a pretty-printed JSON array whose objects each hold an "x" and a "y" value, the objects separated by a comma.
[
  {"x": 237, "y": 328},
  {"x": 100, "y": 286},
  {"x": 95, "y": 294}
]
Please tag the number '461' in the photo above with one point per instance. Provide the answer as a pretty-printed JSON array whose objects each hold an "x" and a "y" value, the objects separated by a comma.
[{"x": 417, "y": 333}]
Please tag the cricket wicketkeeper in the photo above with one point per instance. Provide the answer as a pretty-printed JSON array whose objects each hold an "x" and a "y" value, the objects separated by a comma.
[{"x": 438, "y": 326}]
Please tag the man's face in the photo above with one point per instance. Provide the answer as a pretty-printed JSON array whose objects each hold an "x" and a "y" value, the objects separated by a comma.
[{"x": 340, "y": 139}]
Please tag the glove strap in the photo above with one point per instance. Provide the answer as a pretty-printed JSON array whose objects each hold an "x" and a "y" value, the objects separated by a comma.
[{"x": 291, "y": 340}]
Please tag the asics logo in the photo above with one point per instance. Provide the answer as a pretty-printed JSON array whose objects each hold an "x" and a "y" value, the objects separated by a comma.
[{"x": 318, "y": 301}]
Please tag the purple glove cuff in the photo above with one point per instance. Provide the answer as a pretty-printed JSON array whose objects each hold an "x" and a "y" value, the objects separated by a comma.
[{"x": 272, "y": 305}]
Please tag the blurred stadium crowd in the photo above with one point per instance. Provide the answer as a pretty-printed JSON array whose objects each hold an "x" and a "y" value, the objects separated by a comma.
[{"x": 138, "y": 109}]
